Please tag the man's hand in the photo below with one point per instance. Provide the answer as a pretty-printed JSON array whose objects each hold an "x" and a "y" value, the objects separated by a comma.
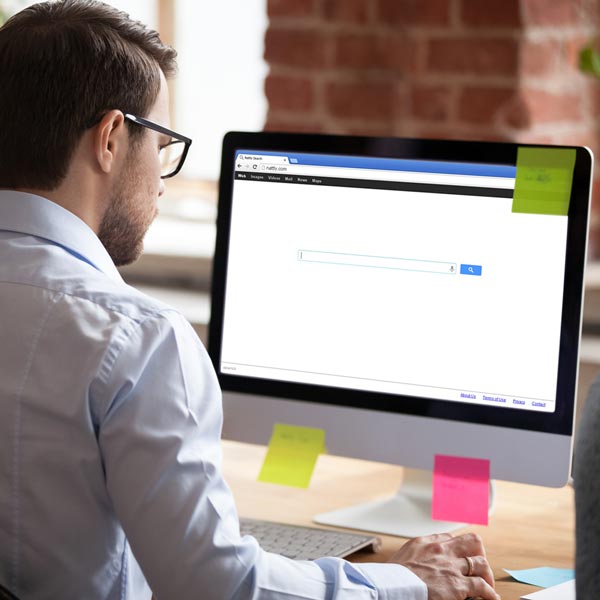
[{"x": 453, "y": 568}]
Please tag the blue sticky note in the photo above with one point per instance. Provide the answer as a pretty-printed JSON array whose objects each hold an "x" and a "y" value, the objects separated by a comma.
[{"x": 542, "y": 576}]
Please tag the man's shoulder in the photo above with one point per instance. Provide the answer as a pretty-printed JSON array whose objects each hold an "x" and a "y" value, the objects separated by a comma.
[
  {"x": 75, "y": 285},
  {"x": 117, "y": 297}
]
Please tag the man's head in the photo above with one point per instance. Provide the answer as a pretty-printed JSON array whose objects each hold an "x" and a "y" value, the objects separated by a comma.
[
  {"x": 62, "y": 66},
  {"x": 130, "y": 204},
  {"x": 69, "y": 73}
]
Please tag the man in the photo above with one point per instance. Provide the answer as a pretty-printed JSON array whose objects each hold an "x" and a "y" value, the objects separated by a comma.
[
  {"x": 110, "y": 416},
  {"x": 587, "y": 495}
]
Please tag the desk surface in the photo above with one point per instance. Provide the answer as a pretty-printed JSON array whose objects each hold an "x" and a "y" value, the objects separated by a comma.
[{"x": 531, "y": 526}]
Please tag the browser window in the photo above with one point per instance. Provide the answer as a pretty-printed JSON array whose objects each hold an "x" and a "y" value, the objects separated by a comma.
[{"x": 423, "y": 263}]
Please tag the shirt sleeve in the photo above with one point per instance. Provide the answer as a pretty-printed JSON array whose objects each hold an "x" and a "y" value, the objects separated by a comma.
[{"x": 159, "y": 436}]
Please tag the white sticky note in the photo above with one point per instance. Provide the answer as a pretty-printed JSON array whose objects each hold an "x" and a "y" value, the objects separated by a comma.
[{"x": 562, "y": 591}]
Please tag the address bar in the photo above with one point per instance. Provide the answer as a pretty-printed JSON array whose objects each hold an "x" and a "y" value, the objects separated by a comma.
[
  {"x": 379, "y": 262},
  {"x": 382, "y": 175}
]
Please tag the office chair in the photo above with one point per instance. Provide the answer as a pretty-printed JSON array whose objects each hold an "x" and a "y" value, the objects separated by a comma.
[{"x": 6, "y": 594}]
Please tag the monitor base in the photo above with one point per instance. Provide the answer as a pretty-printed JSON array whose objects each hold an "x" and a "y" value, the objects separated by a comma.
[{"x": 407, "y": 514}]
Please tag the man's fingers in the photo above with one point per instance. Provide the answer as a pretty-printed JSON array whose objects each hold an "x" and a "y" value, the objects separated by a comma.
[
  {"x": 477, "y": 566},
  {"x": 435, "y": 537},
  {"x": 469, "y": 544},
  {"x": 479, "y": 588}
]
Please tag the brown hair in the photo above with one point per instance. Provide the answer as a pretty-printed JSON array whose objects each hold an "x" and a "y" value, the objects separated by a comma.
[{"x": 62, "y": 66}]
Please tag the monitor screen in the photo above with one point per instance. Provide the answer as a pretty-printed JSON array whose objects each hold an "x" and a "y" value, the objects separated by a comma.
[{"x": 387, "y": 288}]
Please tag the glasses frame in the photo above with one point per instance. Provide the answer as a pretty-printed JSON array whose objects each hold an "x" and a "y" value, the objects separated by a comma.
[{"x": 173, "y": 134}]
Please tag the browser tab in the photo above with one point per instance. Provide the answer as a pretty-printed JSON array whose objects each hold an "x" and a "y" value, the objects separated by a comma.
[{"x": 246, "y": 157}]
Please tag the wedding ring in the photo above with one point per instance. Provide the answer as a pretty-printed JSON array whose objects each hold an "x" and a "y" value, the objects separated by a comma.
[{"x": 470, "y": 565}]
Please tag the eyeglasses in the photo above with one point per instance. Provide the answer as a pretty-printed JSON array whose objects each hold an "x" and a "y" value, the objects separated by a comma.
[{"x": 172, "y": 155}]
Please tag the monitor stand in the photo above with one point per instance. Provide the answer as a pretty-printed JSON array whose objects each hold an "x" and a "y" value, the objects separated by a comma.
[{"x": 407, "y": 514}]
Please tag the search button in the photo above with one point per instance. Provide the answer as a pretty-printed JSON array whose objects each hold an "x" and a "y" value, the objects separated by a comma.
[{"x": 470, "y": 270}]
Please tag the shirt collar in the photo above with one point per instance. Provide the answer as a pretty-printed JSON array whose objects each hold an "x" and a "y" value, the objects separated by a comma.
[{"x": 33, "y": 215}]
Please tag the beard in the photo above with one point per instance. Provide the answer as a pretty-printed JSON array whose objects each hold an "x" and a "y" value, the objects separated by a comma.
[{"x": 127, "y": 218}]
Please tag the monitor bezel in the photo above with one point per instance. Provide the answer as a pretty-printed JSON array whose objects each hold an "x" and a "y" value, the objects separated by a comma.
[{"x": 560, "y": 421}]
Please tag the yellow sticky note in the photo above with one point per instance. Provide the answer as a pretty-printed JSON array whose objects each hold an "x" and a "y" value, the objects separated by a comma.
[
  {"x": 292, "y": 455},
  {"x": 544, "y": 179}
]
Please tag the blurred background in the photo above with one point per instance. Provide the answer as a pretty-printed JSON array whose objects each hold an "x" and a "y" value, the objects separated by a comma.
[{"x": 506, "y": 70}]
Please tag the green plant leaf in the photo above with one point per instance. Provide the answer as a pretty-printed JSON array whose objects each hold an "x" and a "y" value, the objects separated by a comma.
[{"x": 589, "y": 61}]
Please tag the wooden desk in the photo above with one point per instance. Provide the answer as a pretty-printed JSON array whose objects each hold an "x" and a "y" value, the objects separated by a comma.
[{"x": 531, "y": 526}]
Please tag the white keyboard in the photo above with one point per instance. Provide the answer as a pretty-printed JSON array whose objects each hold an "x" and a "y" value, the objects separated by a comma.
[{"x": 305, "y": 543}]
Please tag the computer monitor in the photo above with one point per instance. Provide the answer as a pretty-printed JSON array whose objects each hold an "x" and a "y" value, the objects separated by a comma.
[{"x": 412, "y": 298}]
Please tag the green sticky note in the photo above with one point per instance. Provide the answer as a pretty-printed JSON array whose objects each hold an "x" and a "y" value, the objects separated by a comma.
[
  {"x": 543, "y": 182},
  {"x": 292, "y": 455}
]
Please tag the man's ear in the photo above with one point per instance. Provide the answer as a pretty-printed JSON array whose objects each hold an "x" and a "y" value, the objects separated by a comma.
[{"x": 110, "y": 140}]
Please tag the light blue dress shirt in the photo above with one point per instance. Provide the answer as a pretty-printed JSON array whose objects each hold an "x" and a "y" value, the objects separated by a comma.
[{"x": 110, "y": 422}]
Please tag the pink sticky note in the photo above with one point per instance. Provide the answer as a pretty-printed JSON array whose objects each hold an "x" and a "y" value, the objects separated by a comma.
[{"x": 461, "y": 489}]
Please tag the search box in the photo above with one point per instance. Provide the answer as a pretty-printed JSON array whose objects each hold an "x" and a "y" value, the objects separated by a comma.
[
  {"x": 470, "y": 270},
  {"x": 378, "y": 262}
]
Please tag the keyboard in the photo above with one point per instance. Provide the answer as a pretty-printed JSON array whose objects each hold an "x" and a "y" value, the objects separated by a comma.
[{"x": 305, "y": 543}]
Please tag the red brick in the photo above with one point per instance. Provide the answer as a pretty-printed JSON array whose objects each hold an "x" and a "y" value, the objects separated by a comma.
[
  {"x": 594, "y": 233},
  {"x": 572, "y": 48},
  {"x": 528, "y": 137},
  {"x": 591, "y": 11},
  {"x": 347, "y": 11},
  {"x": 596, "y": 203},
  {"x": 294, "y": 48},
  {"x": 479, "y": 105},
  {"x": 496, "y": 136},
  {"x": 275, "y": 123},
  {"x": 375, "y": 51},
  {"x": 425, "y": 132},
  {"x": 490, "y": 135},
  {"x": 432, "y": 103},
  {"x": 540, "y": 59},
  {"x": 290, "y": 8},
  {"x": 587, "y": 138},
  {"x": 552, "y": 12},
  {"x": 359, "y": 51},
  {"x": 482, "y": 56},
  {"x": 491, "y": 13},
  {"x": 368, "y": 128},
  {"x": 447, "y": 131},
  {"x": 360, "y": 100},
  {"x": 591, "y": 93},
  {"x": 401, "y": 52},
  {"x": 289, "y": 93},
  {"x": 546, "y": 107},
  {"x": 414, "y": 12},
  {"x": 593, "y": 249},
  {"x": 517, "y": 114}
]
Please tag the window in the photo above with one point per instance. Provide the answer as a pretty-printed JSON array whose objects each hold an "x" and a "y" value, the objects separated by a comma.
[{"x": 221, "y": 75}]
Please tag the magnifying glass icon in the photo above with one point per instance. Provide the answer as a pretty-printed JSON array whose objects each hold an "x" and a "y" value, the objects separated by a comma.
[{"x": 467, "y": 269}]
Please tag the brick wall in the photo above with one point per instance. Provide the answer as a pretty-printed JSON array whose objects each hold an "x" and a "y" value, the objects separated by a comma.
[{"x": 471, "y": 69}]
